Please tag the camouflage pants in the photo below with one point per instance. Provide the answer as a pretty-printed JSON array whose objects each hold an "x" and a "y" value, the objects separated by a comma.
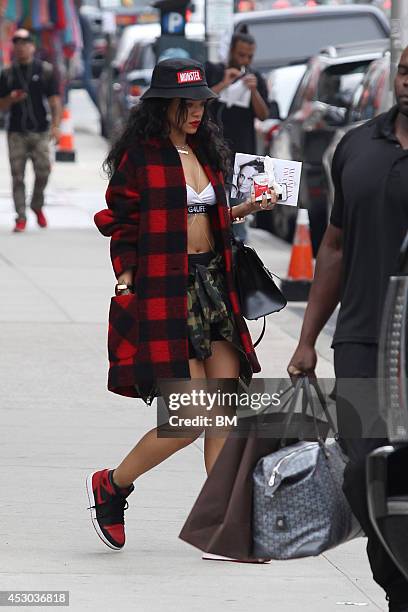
[{"x": 23, "y": 146}]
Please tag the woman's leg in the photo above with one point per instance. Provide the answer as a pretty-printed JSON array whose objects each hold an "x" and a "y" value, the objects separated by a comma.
[
  {"x": 151, "y": 449},
  {"x": 223, "y": 363}
]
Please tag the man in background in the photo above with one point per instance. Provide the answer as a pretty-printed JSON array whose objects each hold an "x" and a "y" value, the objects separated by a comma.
[
  {"x": 27, "y": 87},
  {"x": 242, "y": 98},
  {"x": 237, "y": 121}
]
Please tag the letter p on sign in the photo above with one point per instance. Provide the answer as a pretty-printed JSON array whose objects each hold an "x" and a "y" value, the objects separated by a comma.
[{"x": 174, "y": 23}]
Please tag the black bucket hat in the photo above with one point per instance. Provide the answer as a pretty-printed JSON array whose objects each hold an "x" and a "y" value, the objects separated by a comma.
[{"x": 179, "y": 78}]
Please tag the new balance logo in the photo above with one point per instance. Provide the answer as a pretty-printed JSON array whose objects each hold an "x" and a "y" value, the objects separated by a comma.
[{"x": 189, "y": 76}]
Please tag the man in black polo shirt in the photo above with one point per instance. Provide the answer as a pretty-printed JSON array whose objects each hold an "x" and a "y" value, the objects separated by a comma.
[
  {"x": 357, "y": 256},
  {"x": 24, "y": 87}
]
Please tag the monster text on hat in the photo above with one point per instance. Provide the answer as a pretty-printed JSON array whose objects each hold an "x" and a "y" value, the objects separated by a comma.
[{"x": 189, "y": 76}]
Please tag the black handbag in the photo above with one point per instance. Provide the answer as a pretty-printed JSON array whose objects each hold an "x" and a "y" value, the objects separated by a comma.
[{"x": 258, "y": 293}]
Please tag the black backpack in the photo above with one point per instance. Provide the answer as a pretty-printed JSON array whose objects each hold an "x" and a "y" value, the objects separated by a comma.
[{"x": 44, "y": 69}]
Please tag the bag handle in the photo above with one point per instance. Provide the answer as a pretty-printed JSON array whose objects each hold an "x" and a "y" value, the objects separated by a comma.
[
  {"x": 309, "y": 400},
  {"x": 304, "y": 383},
  {"x": 292, "y": 401},
  {"x": 262, "y": 333},
  {"x": 291, "y": 411}
]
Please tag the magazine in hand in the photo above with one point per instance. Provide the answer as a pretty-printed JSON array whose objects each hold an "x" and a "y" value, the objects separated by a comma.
[{"x": 255, "y": 173}]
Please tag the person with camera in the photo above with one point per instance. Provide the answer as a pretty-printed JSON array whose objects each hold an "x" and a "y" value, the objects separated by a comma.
[{"x": 237, "y": 119}]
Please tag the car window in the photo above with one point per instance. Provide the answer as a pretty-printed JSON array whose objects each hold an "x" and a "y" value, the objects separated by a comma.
[
  {"x": 133, "y": 59},
  {"x": 149, "y": 58},
  {"x": 338, "y": 83},
  {"x": 282, "y": 86},
  {"x": 307, "y": 86},
  {"x": 296, "y": 38},
  {"x": 373, "y": 93}
]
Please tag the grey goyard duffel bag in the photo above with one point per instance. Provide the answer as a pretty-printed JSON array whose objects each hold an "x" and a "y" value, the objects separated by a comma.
[{"x": 299, "y": 508}]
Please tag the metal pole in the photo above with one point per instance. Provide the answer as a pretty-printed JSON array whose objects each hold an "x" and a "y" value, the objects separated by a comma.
[
  {"x": 108, "y": 128},
  {"x": 399, "y": 37}
]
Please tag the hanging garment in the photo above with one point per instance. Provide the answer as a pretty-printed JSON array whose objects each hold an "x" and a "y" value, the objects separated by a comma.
[{"x": 11, "y": 13}]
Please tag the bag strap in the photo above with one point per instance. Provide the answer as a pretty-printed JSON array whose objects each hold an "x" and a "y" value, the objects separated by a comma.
[
  {"x": 307, "y": 383},
  {"x": 238, "y": 245},
  {"x": 291, "y": 411},
  {"x": 262, "y": 333}
]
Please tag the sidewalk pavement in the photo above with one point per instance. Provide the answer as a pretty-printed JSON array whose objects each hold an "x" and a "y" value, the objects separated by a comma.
[{"x": 60, "y": 422}]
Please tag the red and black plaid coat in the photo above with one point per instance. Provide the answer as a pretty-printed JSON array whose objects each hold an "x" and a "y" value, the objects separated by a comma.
[{"x": 146, "y": 219}]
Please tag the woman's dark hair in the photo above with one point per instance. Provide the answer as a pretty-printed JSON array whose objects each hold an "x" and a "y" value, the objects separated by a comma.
[
  {"x": 149, "y": 120},
  {"x": 255, "y": 163}
]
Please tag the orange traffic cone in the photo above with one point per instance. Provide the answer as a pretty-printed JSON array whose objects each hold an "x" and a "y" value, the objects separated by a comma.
[
  {"x": 300, "y": 274},
  {"x": 65, "y": 148}
]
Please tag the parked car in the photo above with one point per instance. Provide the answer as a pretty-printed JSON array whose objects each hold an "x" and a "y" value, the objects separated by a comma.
[
  {"x": 370, "y": 99},
  {"x": 121, "y": 84},
  {"x": 282, "y": 84},
  {"x": 286, "y": 40},
  {"x": 288, "y": 36},
  {"x": 319, "y": 107},
  {"x": 387, "y": 487}
]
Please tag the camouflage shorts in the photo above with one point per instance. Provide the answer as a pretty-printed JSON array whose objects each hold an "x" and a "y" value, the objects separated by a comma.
[{"x": 209, "y": 313}]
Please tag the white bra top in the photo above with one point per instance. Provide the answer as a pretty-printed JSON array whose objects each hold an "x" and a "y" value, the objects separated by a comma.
[{"x": 206, "y": 196}]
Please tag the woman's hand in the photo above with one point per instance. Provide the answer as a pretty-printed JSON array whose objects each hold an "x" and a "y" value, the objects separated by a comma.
[
  {"x": 265, "y": 203},
  {"x": 250, "y": 205},
  {"x": 126, "y": 278}
]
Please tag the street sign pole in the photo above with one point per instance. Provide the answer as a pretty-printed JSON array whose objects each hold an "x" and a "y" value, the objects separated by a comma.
[
  {"x": 399, "y": 37},
  {"x": 109, "y": 29},
  {"x": 218, "y": 23}
]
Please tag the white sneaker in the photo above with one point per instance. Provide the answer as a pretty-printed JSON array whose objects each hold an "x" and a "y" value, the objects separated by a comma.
[{"x": 213, "y": 557}]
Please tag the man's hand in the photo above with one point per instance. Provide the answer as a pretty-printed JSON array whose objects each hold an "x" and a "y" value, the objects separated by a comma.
[
  {"x": 17, "y": 95},
  {"x": 230, "y": 75},
  {"x": 251, "y": 81},
  {"x": 304, "y": 361},
  {"x": 55, "y": 133}
]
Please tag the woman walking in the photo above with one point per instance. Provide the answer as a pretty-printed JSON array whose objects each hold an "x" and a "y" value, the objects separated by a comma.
[{"x": 176, "y": 313}]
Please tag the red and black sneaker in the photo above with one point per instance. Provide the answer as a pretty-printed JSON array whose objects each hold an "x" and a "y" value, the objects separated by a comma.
[
  {"x": 20, "y": 226},
  {"x": 41, "y": 219},
  {"x": 107, "y": 504}
]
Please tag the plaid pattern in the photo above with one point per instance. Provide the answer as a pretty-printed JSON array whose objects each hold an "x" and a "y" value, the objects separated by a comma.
[{"x": 146, "y": 219}]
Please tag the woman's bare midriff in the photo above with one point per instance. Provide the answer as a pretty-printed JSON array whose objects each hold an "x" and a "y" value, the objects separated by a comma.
[{"x": 200, "y": 238}]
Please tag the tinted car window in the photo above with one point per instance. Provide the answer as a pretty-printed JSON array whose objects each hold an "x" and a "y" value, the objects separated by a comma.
[
  {"x": 132, "y": 61},
  {"x": 149, "y": 58},
  {"x": 307, "y": 86},
  {"x": 373, "y": 94},
  {"x": 277, "y": 40},
  {"x": 337, "y": 84}
]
